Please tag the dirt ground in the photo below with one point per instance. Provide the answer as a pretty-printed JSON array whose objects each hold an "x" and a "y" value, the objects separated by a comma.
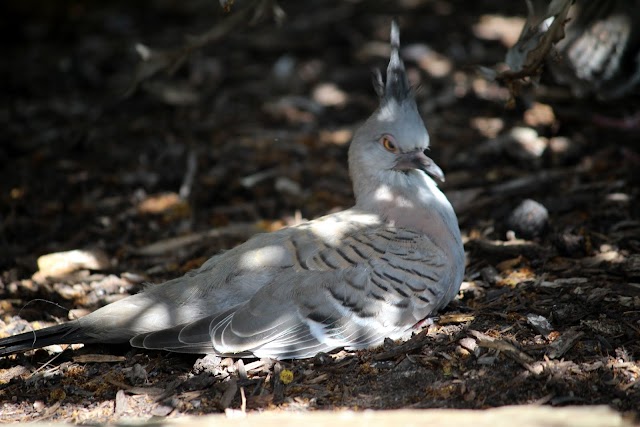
[{"x": 250, "y": 133}]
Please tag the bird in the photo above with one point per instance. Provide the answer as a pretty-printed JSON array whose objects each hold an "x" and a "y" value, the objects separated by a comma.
[
  {"x": 593, "y": 47},
  {"x": 349, "y": 279}
]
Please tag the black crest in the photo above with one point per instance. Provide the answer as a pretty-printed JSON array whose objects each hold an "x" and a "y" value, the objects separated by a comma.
[{"x": 397, "y": 85}]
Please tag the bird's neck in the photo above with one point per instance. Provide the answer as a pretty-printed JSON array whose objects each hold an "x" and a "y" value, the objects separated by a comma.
[
  {"x": 409, "y": 200},
  {"x": 414, "y": 201}
]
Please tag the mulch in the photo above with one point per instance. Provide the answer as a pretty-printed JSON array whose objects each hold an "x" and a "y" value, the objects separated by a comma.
[{"x": 249, "y": 133}]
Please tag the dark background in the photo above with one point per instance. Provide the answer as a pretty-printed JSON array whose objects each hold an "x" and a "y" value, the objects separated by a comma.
[{"x": 261, "y": 118}]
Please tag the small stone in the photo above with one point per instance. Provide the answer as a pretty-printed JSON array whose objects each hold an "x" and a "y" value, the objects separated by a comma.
[
  {"x": 210, "y": 364},
  {"x": 121, "y": 402},
  {"x": 525, "y": 144},
  {"x": 529, "y": 219},
  {"x": 568, "y": 244},
  {"x": 137, "y": 374},
  {"x": 161, "y": 410},
  {"x": 540, "y": 324},
  {"x": 62, "y": 263},
  {"x": 490, "y": 275},
  {"x": 470, "y": 345}
]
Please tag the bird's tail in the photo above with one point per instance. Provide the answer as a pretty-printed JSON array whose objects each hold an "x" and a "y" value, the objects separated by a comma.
[
  {"x": 117, "y": 322},
  {"x": 67, "y": 333}
]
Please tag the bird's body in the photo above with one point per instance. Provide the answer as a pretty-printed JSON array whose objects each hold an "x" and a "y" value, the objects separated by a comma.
[{"x": 349, "y": 279}]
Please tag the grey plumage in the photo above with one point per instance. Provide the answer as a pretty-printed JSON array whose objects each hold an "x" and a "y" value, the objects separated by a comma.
[{"x": 348, "y": 279}]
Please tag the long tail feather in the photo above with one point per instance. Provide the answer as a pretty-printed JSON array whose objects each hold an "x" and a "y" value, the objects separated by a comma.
[{"x": 67, "y": 333}]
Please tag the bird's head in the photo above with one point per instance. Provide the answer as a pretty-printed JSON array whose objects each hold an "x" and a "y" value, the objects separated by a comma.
[{"x": 393, "y": 140}]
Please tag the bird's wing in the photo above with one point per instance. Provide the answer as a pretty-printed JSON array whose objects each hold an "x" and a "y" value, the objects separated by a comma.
[{"x": 352, "y": 292}]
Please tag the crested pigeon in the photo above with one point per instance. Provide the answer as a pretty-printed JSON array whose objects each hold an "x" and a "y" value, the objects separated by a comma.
[{"x": 348, "y": 279}]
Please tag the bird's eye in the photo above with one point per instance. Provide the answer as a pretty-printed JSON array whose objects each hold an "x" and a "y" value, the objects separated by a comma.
[{"x": 389, "y": 144}]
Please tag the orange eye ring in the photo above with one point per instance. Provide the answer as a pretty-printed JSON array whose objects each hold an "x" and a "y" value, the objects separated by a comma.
[{"x": 389, "y": 144}]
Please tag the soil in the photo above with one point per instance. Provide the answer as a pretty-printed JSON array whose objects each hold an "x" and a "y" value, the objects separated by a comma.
[{"x": 250, "y": 133}]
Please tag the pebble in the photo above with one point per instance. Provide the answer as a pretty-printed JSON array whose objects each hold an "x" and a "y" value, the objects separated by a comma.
[{"x": 529, "y": 219}]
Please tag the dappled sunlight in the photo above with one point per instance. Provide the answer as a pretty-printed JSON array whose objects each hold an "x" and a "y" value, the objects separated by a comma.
[
  {"x": 329, "y": 95},
  {"x": 435, "y": 64},
  {"x": 337, "y": 136},
  {"x": 249, "y": 134},
  {"x": 505, "y": 29},
  {"x": 384, "y": 194},
  {"x": 263, "y": 257},
  {"x": 489, "y": 127}
]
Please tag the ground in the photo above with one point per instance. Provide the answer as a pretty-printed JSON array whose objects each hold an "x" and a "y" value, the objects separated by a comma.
[{"x": 250, "y": 133}]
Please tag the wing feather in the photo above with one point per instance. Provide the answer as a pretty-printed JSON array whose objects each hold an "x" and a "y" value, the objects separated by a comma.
[{"x": 352, "y": 293}]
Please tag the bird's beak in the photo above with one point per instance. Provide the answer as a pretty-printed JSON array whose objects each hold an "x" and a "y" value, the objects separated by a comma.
[{"x": 419, "y": 160}]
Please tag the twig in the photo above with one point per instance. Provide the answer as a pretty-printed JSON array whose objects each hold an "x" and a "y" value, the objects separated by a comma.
[
  {"x": 278, "y": 386},
  {"x": 531, "y": 182},
  {"x": 243, "y": 400},
  {"x": 229, "y": 393},
  {"x": 162, "y": 247},
  {"x": 507, "y": 348},
  {"x": 189, "y": 175},
  {"x": 49, "y": 412},
  {"x": 154, "y": 61},
  {"x": 47, "y": 363},
  {"x": 561, "y": 345},
  {"x": 499, "y": 250},
  {"x": 413, "y": 344},
  {"x": 526, "y": 58}
]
